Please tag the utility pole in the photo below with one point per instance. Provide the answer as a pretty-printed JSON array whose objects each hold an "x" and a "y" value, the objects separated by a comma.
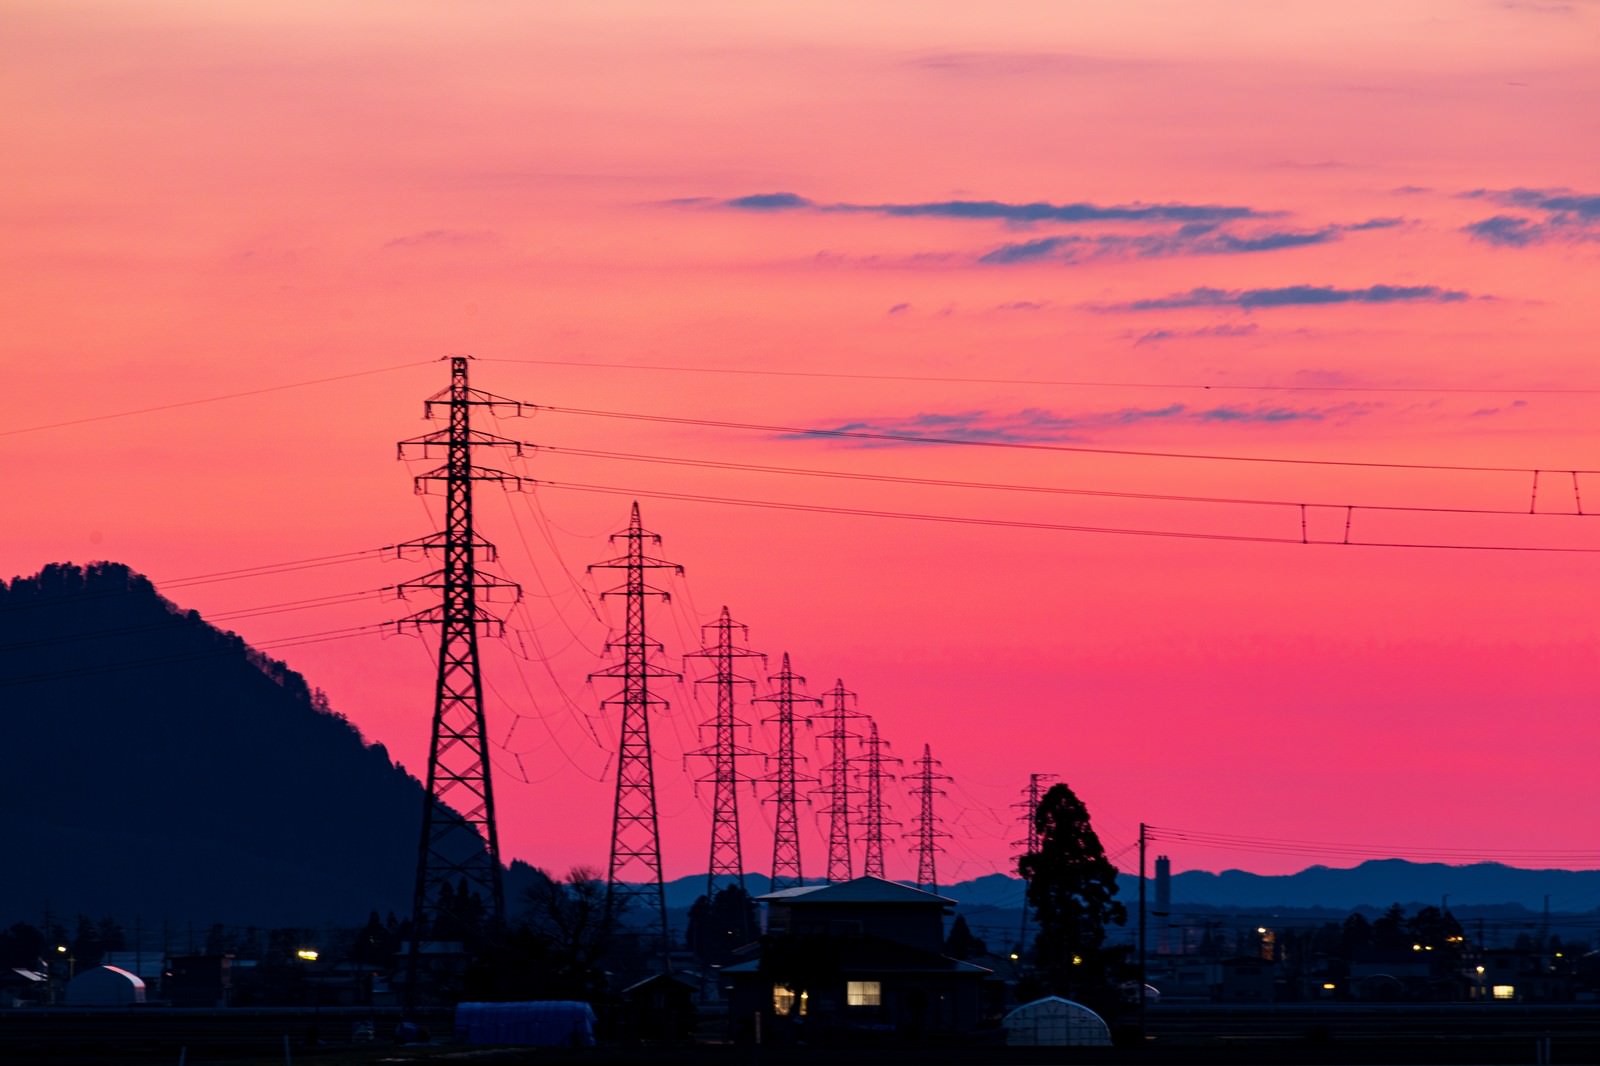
[
  {"x": 459, "y": 844},
  {"x": 786, "y": 778},
  {"x": 926, "y": 822},
  {"x": 1030, "y": 841},
  {"x": 727, "y": 856},
  {"x": 1144, "y": 834},
  {"x": 836, "y": 782},
  {"x": 635, "y": 832},
  {"x": 873, "y": 819}
]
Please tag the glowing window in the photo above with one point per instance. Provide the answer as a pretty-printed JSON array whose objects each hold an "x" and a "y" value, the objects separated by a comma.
[
  {"x": 1505, "y": 991},
  {"x": 782, "y": 1001},
  {"x": 863, "y": 993}
]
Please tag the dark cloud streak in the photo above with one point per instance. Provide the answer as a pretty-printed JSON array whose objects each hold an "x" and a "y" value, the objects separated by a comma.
[
  {"x": 1000, "y": 211},
  {"x": 1292, "y": 296}
]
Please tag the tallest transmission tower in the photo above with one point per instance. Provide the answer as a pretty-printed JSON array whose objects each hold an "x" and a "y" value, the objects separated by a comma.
[{"x": 459, "y": 842}]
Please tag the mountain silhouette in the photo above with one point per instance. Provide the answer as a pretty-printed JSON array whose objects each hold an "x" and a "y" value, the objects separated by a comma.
[{"x": 156, "y": 767}]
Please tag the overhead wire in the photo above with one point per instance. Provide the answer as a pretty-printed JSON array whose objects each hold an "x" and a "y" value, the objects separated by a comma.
[
  {"x": 1042, "y": 446},
  {"x": 1291, "y": 846},
  {"x": 199, "y": 401},
  {"x": 1064, "y": 527},
  {"x": 1164, "y": 497},
  {"x": 1204, "y": 386}
]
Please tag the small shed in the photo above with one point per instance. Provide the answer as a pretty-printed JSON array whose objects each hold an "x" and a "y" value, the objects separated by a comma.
[
  {"x": 660, "y": 1007},
  {"x": 536, "y": 1023},
  {"x": 1055, "y": 1022},
  {"x": 105, "y": 986}
]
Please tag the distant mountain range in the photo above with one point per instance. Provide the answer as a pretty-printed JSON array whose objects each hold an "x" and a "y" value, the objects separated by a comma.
[
  {"x": 1374, "y": 884},
  {"x": 154, "y": 767}
]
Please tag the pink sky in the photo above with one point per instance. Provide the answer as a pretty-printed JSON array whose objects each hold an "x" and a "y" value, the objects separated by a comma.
[{"x": 211, "y": 199}]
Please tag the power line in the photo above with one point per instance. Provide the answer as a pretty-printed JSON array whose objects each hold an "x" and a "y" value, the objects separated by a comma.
[
  {"x": 226, "y": 648},
  {"x": 269, "y": 569},
  {"x": 1066, "y": 382},
  {"x": 212, "y": 399},
  {"x": 714, "y": 464},
  {"x": 181, "y": 619},
  {"x": 913, "y": 438},
  {"x": 1235, "y": 842},
  {"x": 1007, "y": 523}
]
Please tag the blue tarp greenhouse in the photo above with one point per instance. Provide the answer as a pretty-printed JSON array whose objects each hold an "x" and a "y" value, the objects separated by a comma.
[{"x": 544, "y": 1023}]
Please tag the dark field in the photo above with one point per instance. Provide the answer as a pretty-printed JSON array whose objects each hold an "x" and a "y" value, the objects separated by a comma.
[{"x": 1324, "y": 1035}]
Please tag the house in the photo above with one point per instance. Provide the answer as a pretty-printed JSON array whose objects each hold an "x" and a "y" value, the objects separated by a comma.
[{"x": 851, "y": 962}]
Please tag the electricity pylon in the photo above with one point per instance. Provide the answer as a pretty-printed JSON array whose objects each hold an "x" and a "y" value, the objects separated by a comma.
[
  {"x": 727, "y": 855},
  {"x": 785, "y": 779},
  {"x": 635, "y": 832},
  {"x": 1030, "y": 842},
  {"x": 459, "y": 846},
  {"x": 926, "y": 823},
  {"x": 836, "y": 784},
  {"x": 873, "y": 820}
]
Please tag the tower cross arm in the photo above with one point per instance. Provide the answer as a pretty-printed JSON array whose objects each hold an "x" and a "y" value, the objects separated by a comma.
[
  {"x": 471, "y": 397},
  {"x": 473, "y": 472},
  {"x": 438, "y": 442}
]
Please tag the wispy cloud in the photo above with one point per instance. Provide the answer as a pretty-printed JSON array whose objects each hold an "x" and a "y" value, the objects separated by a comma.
[
  {"x": 997, "y": 210},
  {"x": 1012, "y": 64},
  {"x": 1489, "y": 412},
  {"x": 1291, "y": 296},
  {"x": 443, "y": 238},
  {"x": 1036, "y": 426},
  {"x": 1558, "y": 215},
  {"x": 1223, "y": 329},
  {"x": 1538, "y": 7},
  {"x": 1195, "y": 238}
]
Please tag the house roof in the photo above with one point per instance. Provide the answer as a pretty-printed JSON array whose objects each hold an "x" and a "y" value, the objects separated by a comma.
[
  {"x": 871, "y": 954},
  {"x": 860, "y": 890}
]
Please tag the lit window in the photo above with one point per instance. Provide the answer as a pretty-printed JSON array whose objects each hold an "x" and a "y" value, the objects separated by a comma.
[
  {"x": 863, "y": 993},
  {"x": 782, "y": 1001},
  {"x": 1505, "y": 991}
]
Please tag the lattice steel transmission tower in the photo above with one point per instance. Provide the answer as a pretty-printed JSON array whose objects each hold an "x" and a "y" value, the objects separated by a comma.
[
  {"x": 459, "y": 844},
  {"x": 727, "y": 855},
  {"x": 872, "y": 817},
  {"x": 635, "y": 832},
  {"x": 786, "y": 778},
  {"x": 1030, "y": 841},
  {"x": 837, "y": 784},
  {"x": 927, "y": 823}
]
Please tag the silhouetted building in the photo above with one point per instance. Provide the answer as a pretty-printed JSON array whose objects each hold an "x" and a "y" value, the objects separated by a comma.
[
  {"x": 855, "y": 961},
  {"x": 199, "y": 981}
]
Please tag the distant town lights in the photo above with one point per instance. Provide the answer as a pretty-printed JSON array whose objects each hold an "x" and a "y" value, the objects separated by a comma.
[{"x": 308, "y": 954}]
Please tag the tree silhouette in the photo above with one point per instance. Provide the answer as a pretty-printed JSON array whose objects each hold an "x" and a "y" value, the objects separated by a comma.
[
  {"x": 720, "y": 925},
  {"x": 961, "y": 944},
  {"x": 1071, "y": 888}
]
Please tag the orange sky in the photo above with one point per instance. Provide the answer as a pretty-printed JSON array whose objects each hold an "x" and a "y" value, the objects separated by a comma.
[{"x": 205, "y": 200}]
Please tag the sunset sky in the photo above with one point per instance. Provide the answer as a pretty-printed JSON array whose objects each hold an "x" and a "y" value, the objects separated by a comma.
[{"x": 1361, "y": 231}]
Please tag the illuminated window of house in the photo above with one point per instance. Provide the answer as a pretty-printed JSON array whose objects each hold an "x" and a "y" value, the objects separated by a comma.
[
  {"x": 863, "y": 993},
  {"x": 782, "y": 1001},
  {"x": 1505, "y": 991}
]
